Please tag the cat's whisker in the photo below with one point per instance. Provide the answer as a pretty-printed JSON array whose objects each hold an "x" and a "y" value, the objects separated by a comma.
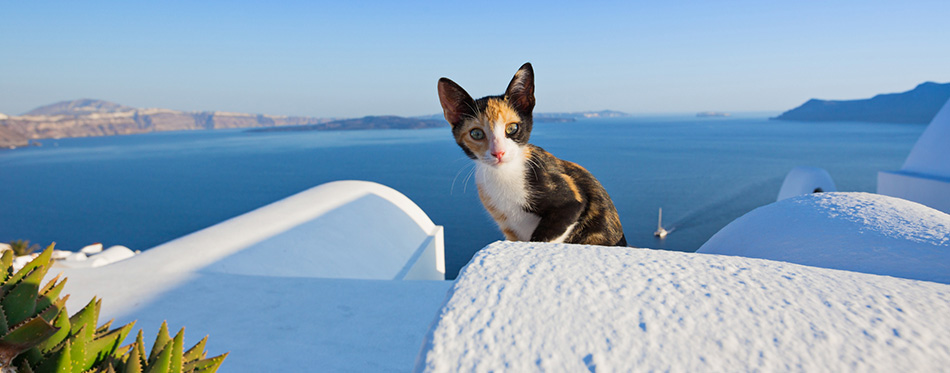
[
  {"x": 452, "y": 189},
  {"x": 470, "y": 174}
]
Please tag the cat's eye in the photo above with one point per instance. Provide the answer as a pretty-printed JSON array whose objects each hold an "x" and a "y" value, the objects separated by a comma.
[
  {"x": 511, "y": 128},
  {"x": 477, "y": 134}
]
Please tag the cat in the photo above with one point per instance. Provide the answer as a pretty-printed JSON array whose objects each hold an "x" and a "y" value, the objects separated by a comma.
[{"x": 531, "y": 194}]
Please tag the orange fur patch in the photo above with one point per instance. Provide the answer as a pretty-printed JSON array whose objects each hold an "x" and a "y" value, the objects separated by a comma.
[
  {"x": 499, "y": 217},
  {"x": 570, "y": 184},
  {"x": 500, "y": 112}
]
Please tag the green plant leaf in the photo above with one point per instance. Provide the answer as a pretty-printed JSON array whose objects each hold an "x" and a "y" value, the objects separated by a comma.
[
  {"x": 50, "y": 313},
  {"x": 197, "y": 352},
  {"x": 24, "y": 337},
  {"x": 78, "y": 341},
  {"x": 163, "y": 361},
  {"x": 160, "y": 341},
  {"x": 19, "y": 303},
  {"x": 207, "y": 365},
  {"x": 140, "y": 345},
  {"x": 86, "y": 318},
  {"x": 177, "y": 351},
  {"x": 40, "y": 261},
  {"x": 65, "y": 327},
  {"x": 104, "y": 328},
  {"x": 3, "y": 322},
  {"x": 24, "y": 367},
  {"x": 58, "y": 362},
  {"x": 50, "y": 293},
  {"x": 134, "y": 362},
  {"x": 6, "y": 260},
  {"x": 105, "y": 346},
  {"x": 28, "y": 334}
]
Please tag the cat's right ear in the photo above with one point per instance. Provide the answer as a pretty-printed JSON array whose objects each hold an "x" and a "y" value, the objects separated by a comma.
[{"x": 456, "y": 103}]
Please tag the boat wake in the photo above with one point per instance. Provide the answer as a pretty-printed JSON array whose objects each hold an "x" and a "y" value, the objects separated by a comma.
[{"x": 729, "y": 206}]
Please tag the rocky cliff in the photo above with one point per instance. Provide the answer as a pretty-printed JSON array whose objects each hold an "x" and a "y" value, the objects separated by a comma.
[{"x": 86, "y": 117}]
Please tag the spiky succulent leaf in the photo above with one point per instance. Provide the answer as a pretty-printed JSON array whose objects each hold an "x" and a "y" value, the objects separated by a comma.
[
  {"x": 24, "y": 367},
  {"x": 197, "y": 352},
  {"x": 3, "y": 322},
  {"x": 19, "y": 303},
  {"x": 50, "y": 284},
  {"x": 134, "y": 362},
  {"x": 178, "y": 347},
  {"x": 24, "y": 337},
  {"x": 77, "y": 354},
  {"x": 106, "y": 346},
  {"x": 206, "y": 365},
  {"x": 28, "y": 334},
  {"x": 50, "y": 313},
  {"x": 160, "y": 341},
  {"x": 57, "y": 362},
  {"x": 140, "y": 345},
  {"x": 61, "y": 322},
  {"x": 104, "y": 328},
  {"x": 87, "y": 317},
  {"x": 162, "y": 362},
  {"x": 50, "y": 293},
  {"x": 40, "y": 261},
  {"x": 6, "y": 260}
]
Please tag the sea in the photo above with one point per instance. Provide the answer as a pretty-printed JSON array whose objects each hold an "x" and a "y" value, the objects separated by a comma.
[{"x": 142, "y": 190}]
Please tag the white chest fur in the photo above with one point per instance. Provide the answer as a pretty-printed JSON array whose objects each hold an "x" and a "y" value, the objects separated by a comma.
[{"x": 505, "y": 193}]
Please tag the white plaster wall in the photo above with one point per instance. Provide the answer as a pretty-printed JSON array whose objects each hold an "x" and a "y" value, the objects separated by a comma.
[
  {"x": 919, "y": 188},
  {"x": 344, "y": 230},
  {"x": 931, "y": 153}
]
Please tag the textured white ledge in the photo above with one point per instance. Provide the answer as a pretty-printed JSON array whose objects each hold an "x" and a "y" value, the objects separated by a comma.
[{"x": 530, "y": 307}]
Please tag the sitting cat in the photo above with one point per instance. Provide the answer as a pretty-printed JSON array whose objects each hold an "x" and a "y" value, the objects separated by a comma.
[{"x": 532, "y": 195}]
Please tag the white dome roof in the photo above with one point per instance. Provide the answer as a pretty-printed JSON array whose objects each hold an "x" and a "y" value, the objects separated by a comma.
[{"x": 859, "y": 232}]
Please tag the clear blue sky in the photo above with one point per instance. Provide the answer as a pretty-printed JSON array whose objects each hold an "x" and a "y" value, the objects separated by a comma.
[{"x": 354, "y": 58}]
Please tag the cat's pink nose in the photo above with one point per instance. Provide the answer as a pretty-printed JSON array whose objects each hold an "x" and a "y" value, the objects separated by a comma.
[{"x": 498, "y": 155}]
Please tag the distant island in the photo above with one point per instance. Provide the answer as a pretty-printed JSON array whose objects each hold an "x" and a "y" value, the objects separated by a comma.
[
  {"x": 90, "y": 117},
  {"x": 712, "y": 114},
  {"x": 557, "y": 117},
  {"x": 364, "y": 123},
  {"x": 918, "y": 106}
]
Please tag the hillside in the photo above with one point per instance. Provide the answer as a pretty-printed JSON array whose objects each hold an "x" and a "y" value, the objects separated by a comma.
[
  {"x": 918, "y": 105},
  {"x": 87, "y": 117},
  {"x": 364, "y": 123}
]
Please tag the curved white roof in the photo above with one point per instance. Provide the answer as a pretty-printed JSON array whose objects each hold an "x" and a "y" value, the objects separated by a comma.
[
  {"x": 931, "y": 154},
  {"x": 859, "y": 232}
]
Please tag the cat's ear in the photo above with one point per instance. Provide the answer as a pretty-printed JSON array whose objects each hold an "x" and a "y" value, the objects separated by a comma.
[
  {"x": 456, "y": 103},
  {"x": 520, "y": 92}
]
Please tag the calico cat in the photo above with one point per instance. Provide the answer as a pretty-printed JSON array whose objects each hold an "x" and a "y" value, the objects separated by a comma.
[{"x": 532, "y": 195}]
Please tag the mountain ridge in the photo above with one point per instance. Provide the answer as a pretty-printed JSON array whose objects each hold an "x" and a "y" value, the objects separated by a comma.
[{"x": 916, "y": 106}]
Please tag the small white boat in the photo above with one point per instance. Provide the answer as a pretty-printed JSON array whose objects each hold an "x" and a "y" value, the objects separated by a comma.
[{"x": 660, "y": 232}]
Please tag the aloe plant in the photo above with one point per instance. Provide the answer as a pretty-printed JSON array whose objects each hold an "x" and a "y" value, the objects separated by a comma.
[
  {"x": 37, "y": 335},
  {"x": 21, "y": 247}
]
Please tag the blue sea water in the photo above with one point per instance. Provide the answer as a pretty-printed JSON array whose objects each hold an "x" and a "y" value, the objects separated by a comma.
[{"x": 143, "y": 190}]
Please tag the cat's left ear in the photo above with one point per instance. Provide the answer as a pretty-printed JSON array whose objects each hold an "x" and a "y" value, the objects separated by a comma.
[{"x": 520, "y": 92}]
